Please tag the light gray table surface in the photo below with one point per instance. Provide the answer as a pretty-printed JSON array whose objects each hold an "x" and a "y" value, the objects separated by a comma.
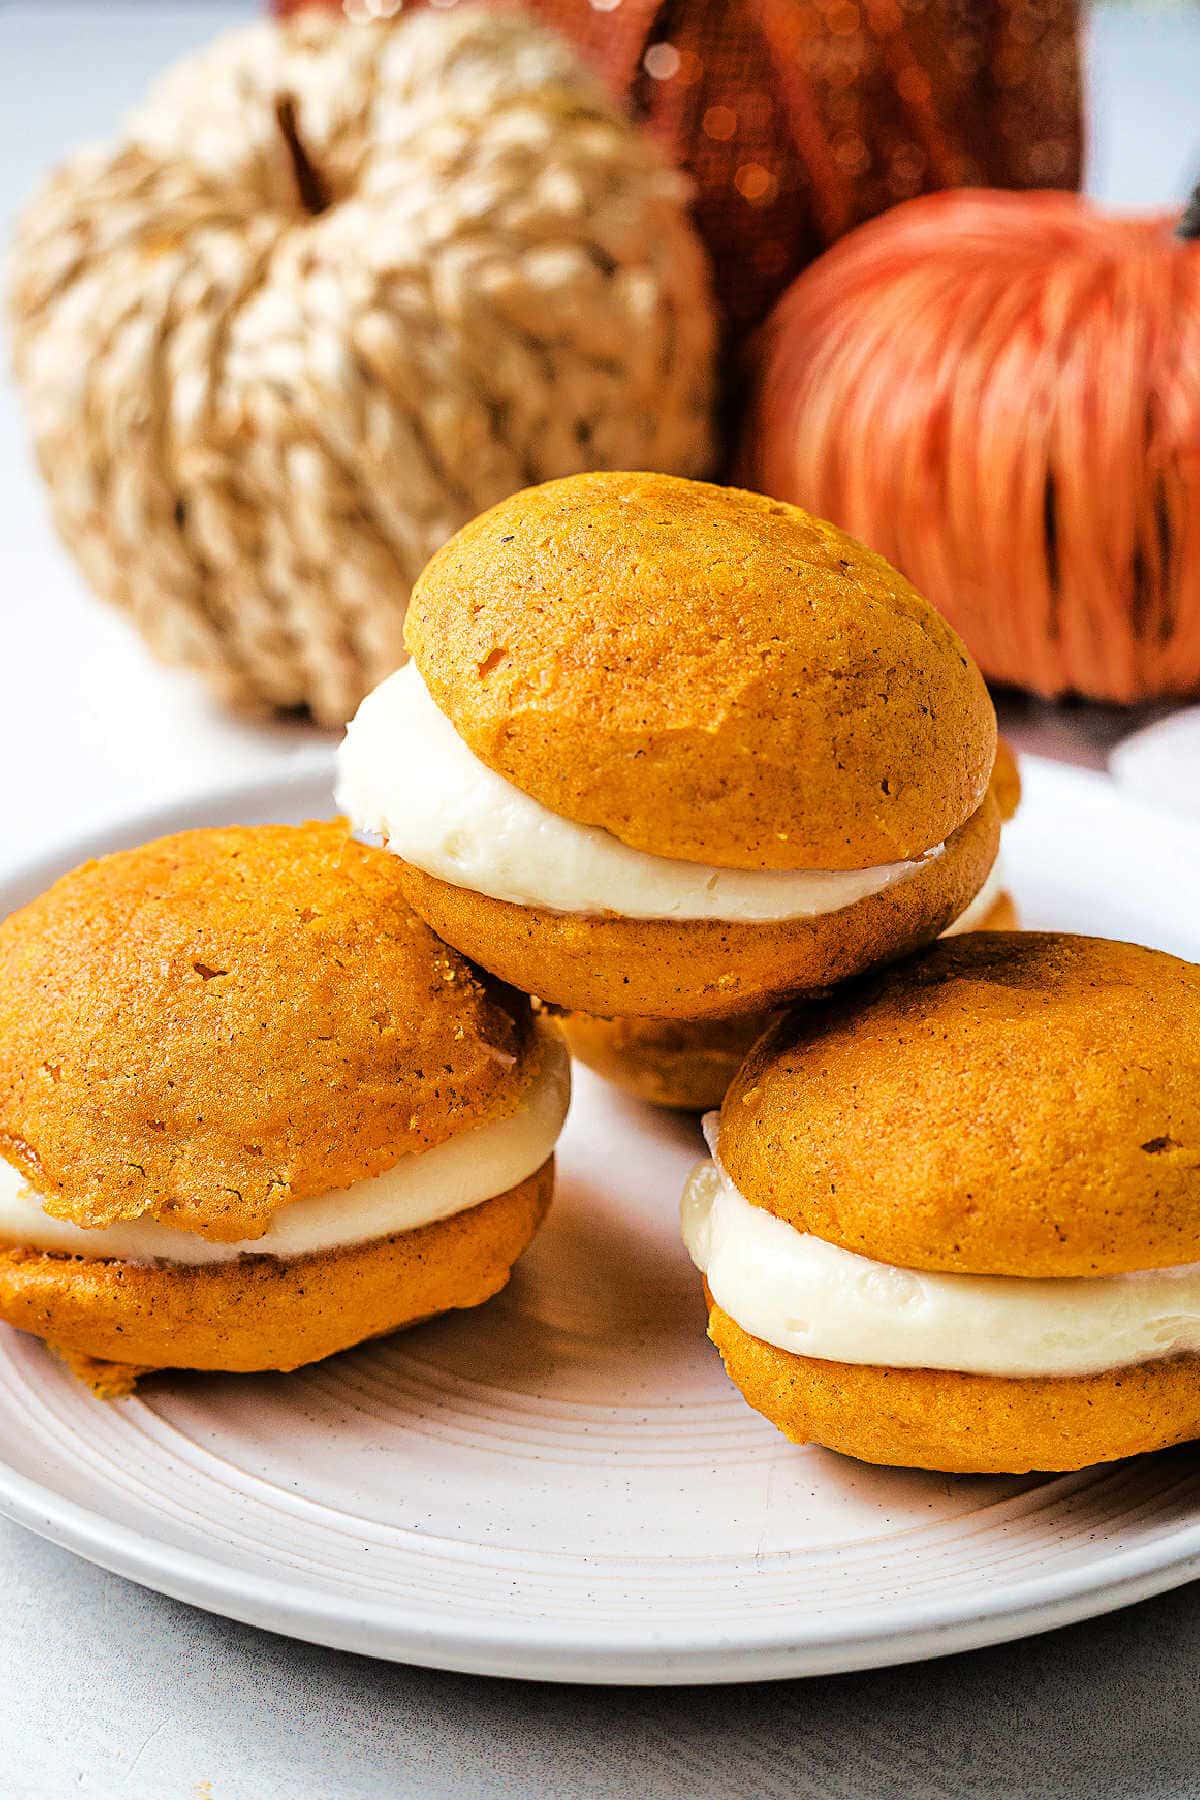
[{"x": 108, "y": 1691}]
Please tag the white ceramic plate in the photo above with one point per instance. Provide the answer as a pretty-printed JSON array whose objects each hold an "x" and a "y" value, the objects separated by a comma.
[{"x": 563, "y": 1484}]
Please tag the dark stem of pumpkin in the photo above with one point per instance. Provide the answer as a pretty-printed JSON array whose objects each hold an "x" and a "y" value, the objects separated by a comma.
[
  {"x": 314, "y": 196},
  {"x": 1189, "y": 225}
]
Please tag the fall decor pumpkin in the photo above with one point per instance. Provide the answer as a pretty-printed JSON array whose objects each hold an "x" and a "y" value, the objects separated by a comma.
[
  {"x": 333, "y": 292},
  {"x": 798, "y": 119},
  {"x": 1001, "y": 393}
]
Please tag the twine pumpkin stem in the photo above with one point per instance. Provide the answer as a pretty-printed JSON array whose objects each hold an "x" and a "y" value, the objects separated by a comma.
[
  {"x": 1189, "y": 226},
  {"x": 314, "y": 196}
]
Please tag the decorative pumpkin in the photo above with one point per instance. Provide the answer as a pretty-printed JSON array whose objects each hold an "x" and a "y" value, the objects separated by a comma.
[
  {"x": 1001, "y": 393},
  {"x": 798, "y": 119},
  {"x": 332, "y": 293}
]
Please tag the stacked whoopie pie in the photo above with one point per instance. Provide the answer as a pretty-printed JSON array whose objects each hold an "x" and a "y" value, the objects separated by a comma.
[
  {"x": 688, "y": 1064},
  {"x": 674, "y": 752},
  {"x": 252, "y": 1111},
  {"x": 671, "y": 756}
]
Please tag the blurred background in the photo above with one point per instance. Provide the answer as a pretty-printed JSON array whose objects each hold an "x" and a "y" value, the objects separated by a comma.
[{"x": 322, "y": 300}]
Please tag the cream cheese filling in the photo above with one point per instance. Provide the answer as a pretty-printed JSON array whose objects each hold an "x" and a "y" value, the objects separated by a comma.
[
  {"x": 814, "y": 1298},
  {"x": 406, "y": 779},
  {"x": 420, "y": 1189}
]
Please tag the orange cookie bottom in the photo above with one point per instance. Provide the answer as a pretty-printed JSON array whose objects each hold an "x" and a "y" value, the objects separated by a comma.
[
  {"x": 114, "y": 1321},
  {"x": 687, "y": 1064},
  {"x": 617, "y": 967},
  {"x": 963, "y": 1424}
]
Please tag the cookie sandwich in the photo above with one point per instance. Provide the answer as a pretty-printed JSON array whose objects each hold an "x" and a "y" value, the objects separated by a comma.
[
  {"x": 952, "y": 1219},
  {"x": 252, "y": 1111},
  {"x": 688, "y": 1064},
  {"x": 671, "y": 750}
]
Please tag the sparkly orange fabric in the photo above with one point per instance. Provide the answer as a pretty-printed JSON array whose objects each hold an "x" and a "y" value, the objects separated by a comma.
[
  {"x": 1001, "y": 394},
  {"x": 798, "y": 119}
]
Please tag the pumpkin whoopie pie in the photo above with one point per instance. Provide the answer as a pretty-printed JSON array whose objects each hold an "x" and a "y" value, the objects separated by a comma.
[
  {"x": 952, "y": 1218},
  {"x": 672, "y": 750},
  {"x": 252, "y": 1111},
  {"x": 689, "y": 1063}
]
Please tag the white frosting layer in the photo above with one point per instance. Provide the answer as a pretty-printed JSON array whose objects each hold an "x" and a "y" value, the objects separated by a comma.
[
  {"x": 406, "y": 778},
  {"x": 418, "y": 1190},
  {"x": 813, "y": 1298}
]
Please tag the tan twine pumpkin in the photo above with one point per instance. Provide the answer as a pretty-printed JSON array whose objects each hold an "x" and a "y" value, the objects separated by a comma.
[{"x": 336, "y": 290}]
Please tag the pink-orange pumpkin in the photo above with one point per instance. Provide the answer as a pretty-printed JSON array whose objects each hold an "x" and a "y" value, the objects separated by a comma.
[{"x": 1001, "y": 392}]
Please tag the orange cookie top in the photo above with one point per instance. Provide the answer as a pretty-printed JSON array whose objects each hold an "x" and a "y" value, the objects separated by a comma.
[
  {"x": 705, "y": 673},
  {"x": 203, "y": 1029},
  {"x": 1008, "y": 1103}
]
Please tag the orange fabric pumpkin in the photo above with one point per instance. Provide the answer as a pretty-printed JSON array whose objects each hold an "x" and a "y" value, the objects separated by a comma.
[
  {"x": 798, "y": 119},
  {"x": 1001, "y": 392}
]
